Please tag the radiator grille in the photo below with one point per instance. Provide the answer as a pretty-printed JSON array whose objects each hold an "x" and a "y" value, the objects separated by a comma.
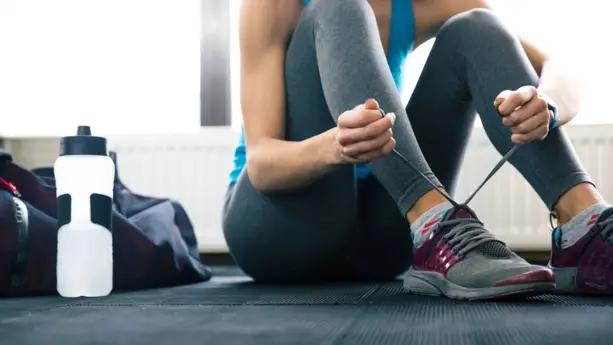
[{"x": 193, "y": 168}]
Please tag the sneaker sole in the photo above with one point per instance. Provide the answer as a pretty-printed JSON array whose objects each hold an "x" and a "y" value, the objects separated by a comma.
[
  {"x": 566, "y": 279},
  {"x": 435, "y": 284},
  {"x": 566, "y": 283}
]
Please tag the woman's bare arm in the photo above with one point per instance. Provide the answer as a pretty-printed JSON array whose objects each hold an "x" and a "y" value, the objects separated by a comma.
[{"x": 274, "y": 164}]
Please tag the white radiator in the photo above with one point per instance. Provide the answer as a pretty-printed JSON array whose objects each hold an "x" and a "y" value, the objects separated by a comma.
[
  {"x": 508, "y": 206},
  {"x": 193, "y": 169}
]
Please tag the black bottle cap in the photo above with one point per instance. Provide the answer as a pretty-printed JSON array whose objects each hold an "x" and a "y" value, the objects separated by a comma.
[
  {"x": 83, "y": 144},
  {"x": 84, "y": 130}
]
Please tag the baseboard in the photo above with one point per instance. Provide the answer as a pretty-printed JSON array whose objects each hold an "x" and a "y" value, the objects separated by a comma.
[
  {"x": 217, "y": 259},
  {"x": 533, "y": 257}
]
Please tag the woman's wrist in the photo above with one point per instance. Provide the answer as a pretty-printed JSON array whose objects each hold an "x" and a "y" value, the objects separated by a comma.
[{"x": 324, "y": 147}]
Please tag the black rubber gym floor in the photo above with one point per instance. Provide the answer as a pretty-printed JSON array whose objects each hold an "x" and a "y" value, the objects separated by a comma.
[{"x": 232, "y": 310}]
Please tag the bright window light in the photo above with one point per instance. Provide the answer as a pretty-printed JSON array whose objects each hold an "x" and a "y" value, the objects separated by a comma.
[{"x": 121, "y": 66}]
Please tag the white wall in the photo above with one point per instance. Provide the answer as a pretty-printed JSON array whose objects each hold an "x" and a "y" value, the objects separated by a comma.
[
  {"x": 122, "y": 66},
  {"x": 571, "y": 32}
]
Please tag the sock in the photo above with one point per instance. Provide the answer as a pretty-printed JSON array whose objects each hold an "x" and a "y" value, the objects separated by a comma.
[
  {"x": 422, "y": 227},
  {"x": 580, "y": 224}
]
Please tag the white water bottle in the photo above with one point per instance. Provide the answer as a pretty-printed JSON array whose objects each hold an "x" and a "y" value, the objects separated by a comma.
[{"x": 84, "y": 175}]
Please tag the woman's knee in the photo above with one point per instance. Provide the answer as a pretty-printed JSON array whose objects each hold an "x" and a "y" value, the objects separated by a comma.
[
  {"x": 340, "y": 11},
  {"x": 474, "y": 29}
]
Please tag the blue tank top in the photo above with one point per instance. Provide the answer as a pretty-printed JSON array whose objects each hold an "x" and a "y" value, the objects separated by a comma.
[{"x": 402, "y": 37}]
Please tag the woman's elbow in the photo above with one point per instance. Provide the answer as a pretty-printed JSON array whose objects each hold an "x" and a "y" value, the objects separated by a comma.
[{"x": 257, "y": 172}]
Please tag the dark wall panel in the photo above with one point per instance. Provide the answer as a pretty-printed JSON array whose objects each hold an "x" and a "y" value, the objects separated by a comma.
[{"x": 215, "y": 108}]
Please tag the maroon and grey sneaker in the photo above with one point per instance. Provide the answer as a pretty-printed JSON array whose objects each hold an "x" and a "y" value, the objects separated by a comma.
[
  {"x": 462, "y": 260},
  {"x": 585, "y": 267}
]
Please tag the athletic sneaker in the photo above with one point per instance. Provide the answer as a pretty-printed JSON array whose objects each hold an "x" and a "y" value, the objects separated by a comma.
[
  {"x": 585, "y": 267},
  {"x": 462, "y": 260}
]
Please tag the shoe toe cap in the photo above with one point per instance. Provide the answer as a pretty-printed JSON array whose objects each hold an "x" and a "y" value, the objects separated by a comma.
[{"x": 539, "y": 275}]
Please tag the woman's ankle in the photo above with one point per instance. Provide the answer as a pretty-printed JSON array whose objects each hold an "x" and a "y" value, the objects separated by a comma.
[
  {"x": 425, "y": 203},
  {"x": 576, "y": 200}
]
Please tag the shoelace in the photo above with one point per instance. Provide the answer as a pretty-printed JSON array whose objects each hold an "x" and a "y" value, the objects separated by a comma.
[{"x": 467, "y": 233}]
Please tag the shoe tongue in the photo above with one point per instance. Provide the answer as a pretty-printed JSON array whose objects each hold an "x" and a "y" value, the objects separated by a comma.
[
  {"x": 493, "y": 249},
  {"x": 462, "y": 212}
]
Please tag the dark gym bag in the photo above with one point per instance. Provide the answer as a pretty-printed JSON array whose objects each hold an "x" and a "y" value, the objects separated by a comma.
[{"x": 154, "y": 244}]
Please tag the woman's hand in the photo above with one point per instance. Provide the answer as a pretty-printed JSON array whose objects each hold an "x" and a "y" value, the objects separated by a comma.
[
  {"x": 363, "y": 134},
  {"x": 525, "y": 113}
]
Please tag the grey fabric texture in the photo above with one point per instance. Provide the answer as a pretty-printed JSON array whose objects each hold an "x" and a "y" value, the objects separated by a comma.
[{"x": 482, "y": 271}]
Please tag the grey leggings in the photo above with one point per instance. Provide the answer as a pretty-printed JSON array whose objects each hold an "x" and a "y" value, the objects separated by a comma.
[{"x": 338, "y": 228}]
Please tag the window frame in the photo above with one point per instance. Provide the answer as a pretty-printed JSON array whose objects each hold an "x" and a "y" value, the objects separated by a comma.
[{"x": 215, "y": 80}]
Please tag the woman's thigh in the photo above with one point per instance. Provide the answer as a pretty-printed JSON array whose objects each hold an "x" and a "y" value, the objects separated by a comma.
[{"x": 299, "y": 236}]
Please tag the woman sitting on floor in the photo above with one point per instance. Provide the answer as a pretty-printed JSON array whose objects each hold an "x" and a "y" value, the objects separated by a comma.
[{"x": 317, "y": 196}]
